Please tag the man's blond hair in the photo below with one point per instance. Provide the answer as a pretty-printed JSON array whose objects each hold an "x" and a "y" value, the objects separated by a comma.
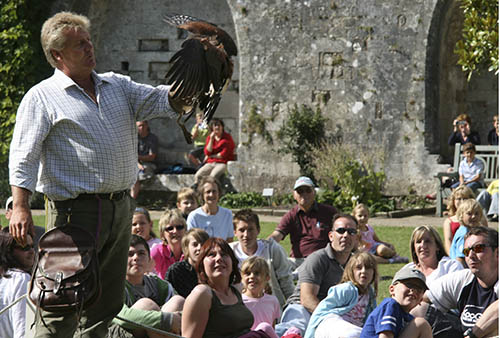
[{"x": 52, "y": 36}]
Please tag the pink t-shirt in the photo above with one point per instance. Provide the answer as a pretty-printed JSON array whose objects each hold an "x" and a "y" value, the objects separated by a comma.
[
  {"x": 163, "y": 258},
  {"x": 264, "y": 309},
  {"x": 367, "y": 238}
]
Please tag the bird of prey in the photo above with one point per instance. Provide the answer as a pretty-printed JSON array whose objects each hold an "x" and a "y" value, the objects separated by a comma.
[{"x": 201, "y": 70}]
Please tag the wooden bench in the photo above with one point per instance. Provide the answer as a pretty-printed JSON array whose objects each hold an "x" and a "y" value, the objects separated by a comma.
[{"x": 487, "y": 154}]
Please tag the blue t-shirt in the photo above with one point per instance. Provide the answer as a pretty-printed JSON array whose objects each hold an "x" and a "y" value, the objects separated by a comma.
[
  {"x": 388, "y": 316},
  {"x": 218, "y": 225},
  {"x": 457, "y": 244}
]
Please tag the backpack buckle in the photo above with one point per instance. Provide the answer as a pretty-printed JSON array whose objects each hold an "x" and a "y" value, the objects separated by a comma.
[{"x": 58, "y": 282}]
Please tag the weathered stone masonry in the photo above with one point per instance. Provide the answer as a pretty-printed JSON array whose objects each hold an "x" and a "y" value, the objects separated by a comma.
[{"x": 383, "y": 72}]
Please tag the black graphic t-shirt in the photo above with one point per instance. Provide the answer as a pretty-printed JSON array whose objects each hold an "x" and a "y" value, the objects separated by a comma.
[{"x": 474, "y": 299}]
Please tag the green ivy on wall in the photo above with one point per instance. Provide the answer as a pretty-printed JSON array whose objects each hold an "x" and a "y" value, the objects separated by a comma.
[{"x": 256, "y": 124}]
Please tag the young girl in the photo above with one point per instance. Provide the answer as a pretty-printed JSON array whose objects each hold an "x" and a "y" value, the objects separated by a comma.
[
  {"x": 384, "y": 252},
  {"x": 172, "y": 227},
  {"x": 451, "y": 224},
  {"x": 470, "y": 215},
  {"x": 345, "y": 309},
  {"x": 182, "y": 275},
  {"x": 142, "y": 225},
  {"x": 257, "y": 294}
]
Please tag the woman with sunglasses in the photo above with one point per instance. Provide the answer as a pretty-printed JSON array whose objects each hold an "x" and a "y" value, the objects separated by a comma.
[
  {"x": 429, "y": 255},
  {"x": 172, "y": 228},
  {"x": 16, "y": 263}
]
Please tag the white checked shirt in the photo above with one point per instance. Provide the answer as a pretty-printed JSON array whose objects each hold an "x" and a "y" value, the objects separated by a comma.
[{"x": 65, "y": 144}]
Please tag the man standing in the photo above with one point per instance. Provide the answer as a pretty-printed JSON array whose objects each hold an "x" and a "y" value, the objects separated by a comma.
[
  {"x": 321, "y": 270},
  {"x": 75, "y": 141},
  {"x": 308, "y": 223},
  {"x": 473, "y": 292},
  {"x": 148, "y": 151}
]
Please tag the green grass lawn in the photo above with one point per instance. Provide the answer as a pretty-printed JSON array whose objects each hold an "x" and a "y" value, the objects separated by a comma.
[{"x": 398, "y": 236}]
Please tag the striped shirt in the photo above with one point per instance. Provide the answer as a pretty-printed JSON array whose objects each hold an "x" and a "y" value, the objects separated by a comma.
[{"x": 64, "y": 144}]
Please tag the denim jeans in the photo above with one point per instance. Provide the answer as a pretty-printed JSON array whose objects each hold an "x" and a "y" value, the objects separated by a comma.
[
  {"x": 473, "y": 185},
  {"x": 294, "y": 315},
  {"x": 488, "y": 202}
]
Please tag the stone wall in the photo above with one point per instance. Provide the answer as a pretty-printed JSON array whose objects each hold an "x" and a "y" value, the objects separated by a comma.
[
  {"x": 383, "y": 72},
  {"x": 367, "y": 65}
]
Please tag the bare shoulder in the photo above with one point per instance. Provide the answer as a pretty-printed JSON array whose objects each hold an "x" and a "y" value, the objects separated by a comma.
[{"x": 201, "y": 292}]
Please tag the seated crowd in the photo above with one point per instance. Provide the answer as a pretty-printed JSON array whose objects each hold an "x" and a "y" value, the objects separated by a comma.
[{"x": 192, "y": 281}]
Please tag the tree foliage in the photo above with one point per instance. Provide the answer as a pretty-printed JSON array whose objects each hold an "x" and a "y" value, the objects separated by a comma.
[
  {"x": 22, "y": 64},
  {"x": 479, "y": 44},
  {"x": 300, "y": 134}
]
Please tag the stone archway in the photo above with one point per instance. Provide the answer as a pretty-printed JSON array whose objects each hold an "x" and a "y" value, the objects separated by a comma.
[{"x": 448, "y": 93}]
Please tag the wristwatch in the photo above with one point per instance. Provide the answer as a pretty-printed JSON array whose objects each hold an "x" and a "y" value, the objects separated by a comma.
[{"x": 469, "y": 333}]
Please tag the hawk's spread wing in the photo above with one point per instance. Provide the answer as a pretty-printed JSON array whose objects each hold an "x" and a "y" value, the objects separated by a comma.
[{"x": 202, "y": 68}]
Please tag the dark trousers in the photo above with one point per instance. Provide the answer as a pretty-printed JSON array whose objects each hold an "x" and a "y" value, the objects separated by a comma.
[{"x": 111, "y": 222}]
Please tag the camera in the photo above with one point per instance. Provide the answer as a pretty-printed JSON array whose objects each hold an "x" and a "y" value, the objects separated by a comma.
[{"x": 461, "y": 123}]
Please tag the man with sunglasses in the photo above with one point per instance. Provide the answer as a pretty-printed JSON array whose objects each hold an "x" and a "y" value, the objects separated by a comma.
[
  {"x": 320, "y": 271},
  {"x": 308, "y": 223},
  {"x": 472, "y": 292}
]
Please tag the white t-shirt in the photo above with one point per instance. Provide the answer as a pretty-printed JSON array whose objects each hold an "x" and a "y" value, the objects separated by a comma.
[
  {"x": 12, "y": 322},
  {"x": 242, "y": 256},
  {"x": 445, "y": 266},
  {"x": 218, "y": 225}
]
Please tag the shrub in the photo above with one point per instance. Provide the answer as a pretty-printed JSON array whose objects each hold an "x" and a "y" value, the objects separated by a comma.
[
  {"x": 300, "y": 134},
  {"x": 254, "y": 200},
  {"x": 349, "y": 172}
]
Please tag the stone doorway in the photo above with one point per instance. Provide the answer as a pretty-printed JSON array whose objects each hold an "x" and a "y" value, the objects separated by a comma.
[{"x": 448, "y": 93}]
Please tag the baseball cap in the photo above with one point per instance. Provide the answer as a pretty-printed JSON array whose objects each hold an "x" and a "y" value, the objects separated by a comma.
[
  {"x": 409, "y": 272},
  {"x": 303, "y": 180},
  {"x": 9, "y": 202}
]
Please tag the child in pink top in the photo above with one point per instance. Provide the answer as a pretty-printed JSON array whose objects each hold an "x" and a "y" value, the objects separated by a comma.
[
  {"x": 384, "y": 252},
  {"x": 264, "y": 306}
]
